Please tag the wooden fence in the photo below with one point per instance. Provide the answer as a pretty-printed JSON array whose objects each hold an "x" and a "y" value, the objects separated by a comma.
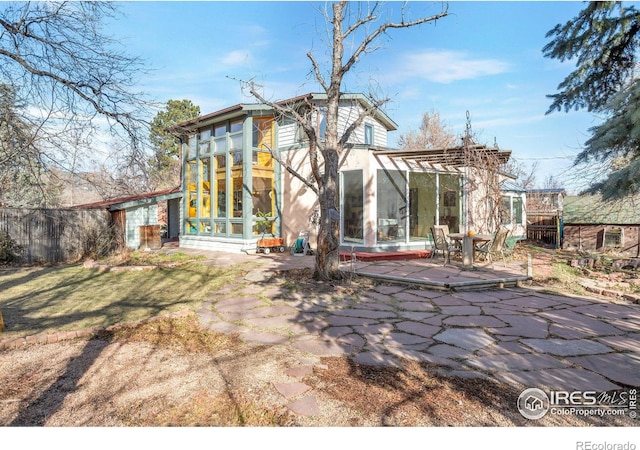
[
  {"x": 53, "y": 235},
  {"x": 544, "y": 227}
]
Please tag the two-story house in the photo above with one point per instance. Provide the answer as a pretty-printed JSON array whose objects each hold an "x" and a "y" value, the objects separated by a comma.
[{"x": 389, "y": 199}]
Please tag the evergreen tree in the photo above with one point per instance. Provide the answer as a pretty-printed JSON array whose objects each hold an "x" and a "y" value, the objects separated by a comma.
[
  {"x": 603, "y": 39},
  {"x": 165, "y": 163}
]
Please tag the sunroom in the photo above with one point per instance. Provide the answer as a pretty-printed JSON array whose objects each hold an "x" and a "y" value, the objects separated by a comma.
[
  {"x": 230, "y": 179},
  {"x": 390, "y": 199}
]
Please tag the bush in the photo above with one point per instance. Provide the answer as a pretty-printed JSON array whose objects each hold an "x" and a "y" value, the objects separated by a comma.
[
  {"x": 9, "y": 250},
  {"x": 96, "y": 240}
]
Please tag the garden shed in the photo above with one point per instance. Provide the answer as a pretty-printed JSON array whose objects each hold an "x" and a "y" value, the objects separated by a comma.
[
  {"x": 594, "y": 225},
  {"x": 143, "y": 220}
]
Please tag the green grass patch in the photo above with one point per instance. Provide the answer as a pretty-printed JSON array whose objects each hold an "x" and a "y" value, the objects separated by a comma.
[
  {"x": 47, "y": 299},
  {"x": 153, "y": 258}
]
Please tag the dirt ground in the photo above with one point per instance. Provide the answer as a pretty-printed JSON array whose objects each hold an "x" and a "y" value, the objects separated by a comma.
[
  {"x": 170, "y": 372},
  {"x": 136, "y": 377}
]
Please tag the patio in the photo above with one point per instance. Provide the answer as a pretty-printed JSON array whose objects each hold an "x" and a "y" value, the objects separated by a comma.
[{"x": 431, "y": 273}]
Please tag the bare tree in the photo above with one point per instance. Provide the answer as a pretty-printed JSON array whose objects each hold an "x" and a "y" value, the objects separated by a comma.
[
  {"x": 525, "y": 174},
  {"x": 433, "y": 133},
  {"x": 360, "y": 25},
  {"x": 484, "y": 167},
  {"x": 74, "y": 79}
]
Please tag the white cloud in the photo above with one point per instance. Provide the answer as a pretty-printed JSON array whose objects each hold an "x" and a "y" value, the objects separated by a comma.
[
  {"x": 236, "y": 57},
  {"x": 441, "y": 66}
]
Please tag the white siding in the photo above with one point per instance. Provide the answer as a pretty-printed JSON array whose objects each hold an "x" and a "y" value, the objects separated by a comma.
[{"x": 287, "y": 133}]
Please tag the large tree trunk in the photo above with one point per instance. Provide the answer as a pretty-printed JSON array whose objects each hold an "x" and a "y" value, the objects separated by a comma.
[{"x": 328, "y": 251}]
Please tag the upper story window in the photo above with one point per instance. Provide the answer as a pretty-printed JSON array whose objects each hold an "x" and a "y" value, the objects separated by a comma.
[
  {"x": 263, "y": 133},
  {"x": 205, "y": 141},
  {"x": 192, "y": 148},
  {"x": 220, "y": 138},
  {"x": 368, "y": 134},
  {"x": 235, "y": 134},
  {"x": 321, "y": 124}
]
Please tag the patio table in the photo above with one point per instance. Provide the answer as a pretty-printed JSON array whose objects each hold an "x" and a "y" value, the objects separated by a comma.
[{"x": 470, "y": 244}]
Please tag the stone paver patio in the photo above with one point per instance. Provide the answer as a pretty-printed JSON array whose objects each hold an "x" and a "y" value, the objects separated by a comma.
[{"x": 516, "y": 335}]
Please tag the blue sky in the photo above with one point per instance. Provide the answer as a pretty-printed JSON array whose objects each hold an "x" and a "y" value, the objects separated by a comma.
[{"x": 484, "y": 57}]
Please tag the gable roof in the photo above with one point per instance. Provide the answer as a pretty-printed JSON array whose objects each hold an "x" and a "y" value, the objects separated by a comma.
[
  {"x": 591, "y": 209},
  {"x": 243, "y": 108}
]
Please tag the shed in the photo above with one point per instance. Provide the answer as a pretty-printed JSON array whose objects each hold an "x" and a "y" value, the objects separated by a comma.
[
  {"x": 134, "y": 213},
  {"x": 592, "y": 224}
]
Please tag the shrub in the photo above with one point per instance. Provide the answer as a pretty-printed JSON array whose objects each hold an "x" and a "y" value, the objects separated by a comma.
[{"x": 9, "y": 250}]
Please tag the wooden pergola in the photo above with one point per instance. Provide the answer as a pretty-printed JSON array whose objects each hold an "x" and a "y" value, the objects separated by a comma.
[{"x": 454, "y": 157}]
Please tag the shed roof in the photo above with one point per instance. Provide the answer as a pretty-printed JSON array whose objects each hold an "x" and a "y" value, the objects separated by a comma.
[
  {"x": 116, "y": 204},
  {"x": 592, "y": 210}
]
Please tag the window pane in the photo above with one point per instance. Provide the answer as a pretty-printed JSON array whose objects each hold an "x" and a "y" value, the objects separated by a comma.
[
  {"x": 205, "y": 135},
  {"x": 392, "y": 206},
  {"x": 220, "y": 227},
  {"x": 221, "y": 161},
  {"x": 505, "y": 212},
  {"x": 236, "y": 141},
  {"x": 192, "y": 147},
  {"x": 192, "y": 198},
  {"x": 422, "y": 205},
  {"x": 236, "y": 126},
  {"x": 221, "y": 197},
  {"x": 613, "y": 237},
  {"x": 368, "y": 135},
  {"x": 263, "y": 133},
  {"x": 220, "y": 144},
  {"x": 353, "y": 216},
  {"x": 220, "y": 130},
  {"x": 236, "y": 228},
  {"x": 205, "y": 191},
  {"x": 450, "y": 202},
  {"x": 237, "y": 195},
  {"x": 517, "y": 210},
  {"x": 220, "y": 193},
  {"x": 237, "y": 158},
  {"x": 321, "y": 128},
  {"x": 263, "y": 195}
]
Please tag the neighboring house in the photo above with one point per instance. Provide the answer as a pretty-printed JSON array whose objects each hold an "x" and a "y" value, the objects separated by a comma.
[
  {"x": 389, "y": 198},
  {"x": 591, "y": 224},
  {"x": 545, "y": 200}
]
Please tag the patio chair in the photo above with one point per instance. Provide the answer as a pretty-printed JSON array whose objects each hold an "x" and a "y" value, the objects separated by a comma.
[
  {"x": 441, "y": 244},
  {"x": 445, "y": 230},
  {"x": 495, "y": 247}
]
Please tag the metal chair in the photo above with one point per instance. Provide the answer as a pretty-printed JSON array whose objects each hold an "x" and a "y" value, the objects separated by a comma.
[
  {"x": 495, "y": 246},
  {"x": 441, "y": 244}
]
